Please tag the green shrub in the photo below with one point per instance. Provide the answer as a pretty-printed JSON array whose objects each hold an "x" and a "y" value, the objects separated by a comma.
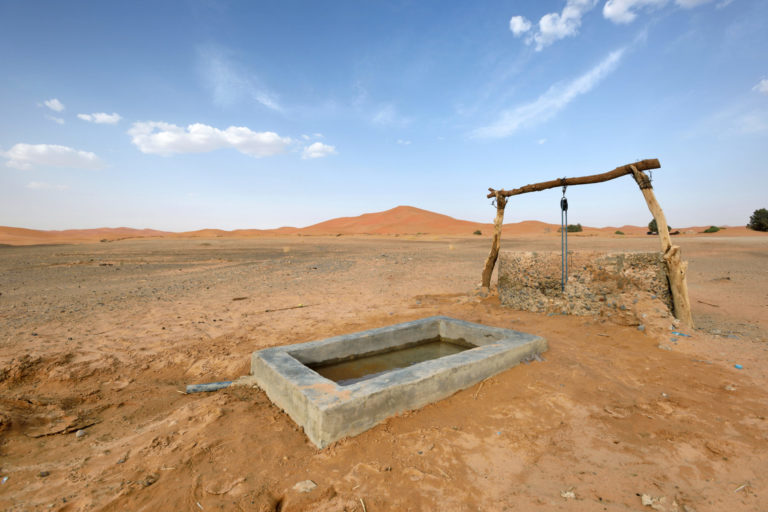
[
  {"x": 477, "y": 232},
  {"x": 654, "y": 229},
  {"x": 759, "y": 220},
  {"x": 712, "y": 229},
  {"x": 572, "y": 228},
  {"x": 618, "y": 232}
]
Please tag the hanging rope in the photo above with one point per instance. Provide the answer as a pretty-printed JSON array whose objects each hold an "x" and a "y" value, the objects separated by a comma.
[{"x": 563, "y": 239}]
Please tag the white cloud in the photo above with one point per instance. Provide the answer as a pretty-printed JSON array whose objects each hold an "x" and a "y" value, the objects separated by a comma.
[
  {"x": 166, "y": 139},
  {"x": 723, "y": 4},
  {"x": 625, "y": 11},
  {"x": 57, "y": 120},
  {"x": 40, "y": 185},
  {"x": 27, "y": 156},
  {"x": 318, "y": 150},
  {"x": 230, "y": 82},
  {"x": 519, "y": 25},
  {"x": 54, "y": 104},
  {"x": 101, "y": 118},
  {"x": 319, "y": 136},
  {"x": 551, "y": 102},
  {"x": 404, "y": 142},
  {"x": 553, "y": 26},
  {"x": 762, "y": 86}
]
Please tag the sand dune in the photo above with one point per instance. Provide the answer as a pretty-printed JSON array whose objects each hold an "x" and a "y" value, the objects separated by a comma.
[{"x": 402, "y": 220}]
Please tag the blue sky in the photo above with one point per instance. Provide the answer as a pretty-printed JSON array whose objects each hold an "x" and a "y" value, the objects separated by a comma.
[{"x": 192, "y": 114}]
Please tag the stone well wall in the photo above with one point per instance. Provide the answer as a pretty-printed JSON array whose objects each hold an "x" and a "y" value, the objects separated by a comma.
[{"x": 627, "y": 287}]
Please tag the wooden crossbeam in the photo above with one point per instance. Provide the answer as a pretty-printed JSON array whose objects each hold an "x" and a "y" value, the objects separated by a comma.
[{"x": 642, "y": 165}]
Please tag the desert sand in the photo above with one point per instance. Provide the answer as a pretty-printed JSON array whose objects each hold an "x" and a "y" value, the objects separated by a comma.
[
  {"x": 98, "y": 340},
  {"x": 401, "y": 220}
]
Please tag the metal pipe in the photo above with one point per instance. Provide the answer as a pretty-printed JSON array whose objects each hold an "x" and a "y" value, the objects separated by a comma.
[{"x": 211, "y": 386}]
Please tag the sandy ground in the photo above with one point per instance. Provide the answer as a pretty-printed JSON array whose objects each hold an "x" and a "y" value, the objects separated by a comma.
[{"x": 101, "y": 339}]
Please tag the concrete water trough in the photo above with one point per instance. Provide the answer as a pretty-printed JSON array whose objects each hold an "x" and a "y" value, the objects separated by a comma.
[{"x": 375, "y": 374}]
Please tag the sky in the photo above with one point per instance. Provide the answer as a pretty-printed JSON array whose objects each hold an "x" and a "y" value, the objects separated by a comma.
[{"x": 183, "y": 115}]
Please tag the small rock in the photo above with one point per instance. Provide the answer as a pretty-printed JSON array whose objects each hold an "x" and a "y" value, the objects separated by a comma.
[
  {"x": 44, "y": 474},
  {"x": 568, "y": 494},
  {"x": 149, "y": 480},
  {"x": 80, "y": 434},
  {"x": 641, "y": 328},
  {"x": 305, "y": 486},
  {"x": 664, "y": 347},
  {"x": 728, "y": 387}
]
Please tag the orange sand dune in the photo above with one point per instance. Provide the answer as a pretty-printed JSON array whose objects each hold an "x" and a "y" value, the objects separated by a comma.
[
  {"x": 399, "y": 220},
  {"x": 22, "y": 236}
]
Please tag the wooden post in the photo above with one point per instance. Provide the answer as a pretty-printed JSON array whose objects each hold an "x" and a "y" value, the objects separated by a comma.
[
  {"x": 676, "y": 268},
  {"x": 501, "y": 203}
]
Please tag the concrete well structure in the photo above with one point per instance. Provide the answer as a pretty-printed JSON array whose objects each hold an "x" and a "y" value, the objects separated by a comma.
[{"x": 328, "y": 411}]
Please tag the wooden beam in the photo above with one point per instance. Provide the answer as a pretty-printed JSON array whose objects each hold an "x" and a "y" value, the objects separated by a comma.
[
  {"x": 490, "y": 262},
  {"x": 642, "y": 165},
  {"x": 676, "y": 267}
]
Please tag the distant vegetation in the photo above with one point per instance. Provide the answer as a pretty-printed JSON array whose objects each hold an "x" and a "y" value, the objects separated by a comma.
[
  {"x": 572, "y": 228},
  {"x": 759, "y": 220},
  {"x": 618, "y": 232},
  {"x": 477, "y": 232},
  {"x": 654, "y": 229},
  {"x": 712, "y": 229}
]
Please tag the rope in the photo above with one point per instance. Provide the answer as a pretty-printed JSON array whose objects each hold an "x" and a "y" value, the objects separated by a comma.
[{"x": 563, "y": 239}]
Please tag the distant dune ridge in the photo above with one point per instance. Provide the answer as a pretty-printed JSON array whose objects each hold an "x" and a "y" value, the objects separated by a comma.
[{"x": 402, "y": 220}]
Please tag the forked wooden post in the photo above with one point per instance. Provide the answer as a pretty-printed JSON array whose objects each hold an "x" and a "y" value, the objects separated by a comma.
[
  {"x": 676, "y": 267},
  {"x": 490, "y": 262}
]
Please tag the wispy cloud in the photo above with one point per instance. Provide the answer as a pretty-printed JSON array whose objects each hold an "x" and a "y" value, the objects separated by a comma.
[
  {"x": 166, "y": 139},
  {"x": 762, "y": 86},
  {"x": 27, "y": 156},
  {"x": 101, "y": 118},
  {"x": 552, "y": 26},
  {"x": 230, "y": 82},
  {"x": 736, "y": 120},
  {"x": 625, "y": 11},
  {"x": 318, "y": 150},
  {"x": 57, "y": 120},
  {"x": 387, "y": 115},
  {"x": 551, "y": 102},
  {"x": 54, "y": 104},
  {"x": 40, "y": 185},
  {"x": 403, "y": 142}
]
